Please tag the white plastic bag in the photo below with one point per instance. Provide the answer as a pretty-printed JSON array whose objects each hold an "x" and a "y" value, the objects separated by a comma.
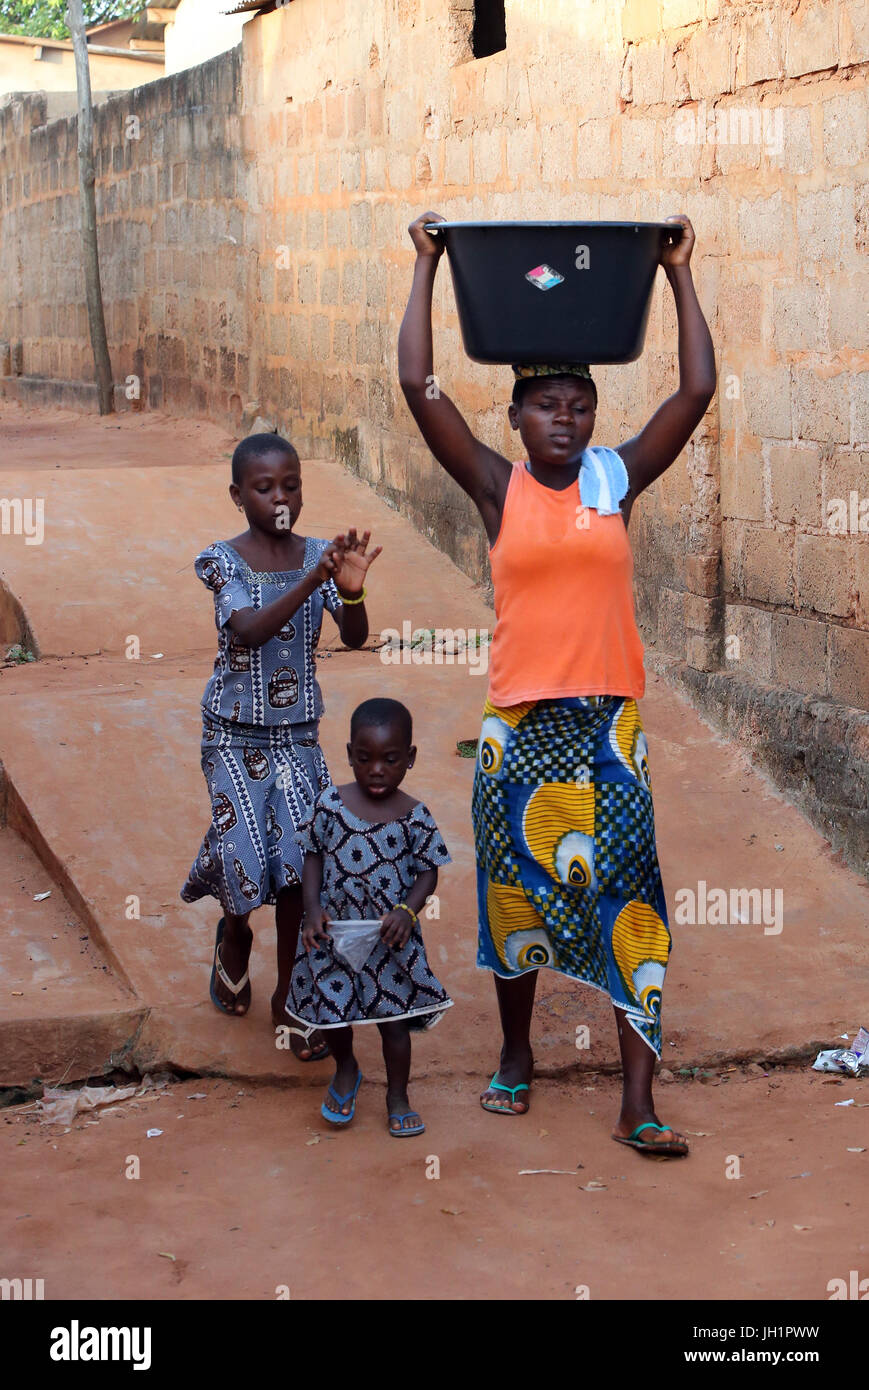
[
  {"x": 853, "y": 1060},
  {"x": 829, "y": 1060},
  {"x": 355, "y": 940},
  {"x": 61, "y": 1107}
]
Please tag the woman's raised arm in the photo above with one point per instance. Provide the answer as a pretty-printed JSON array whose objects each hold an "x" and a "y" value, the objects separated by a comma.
[
  {"x": 481, "y": 471},
  {"x": 659, "y": 443}
]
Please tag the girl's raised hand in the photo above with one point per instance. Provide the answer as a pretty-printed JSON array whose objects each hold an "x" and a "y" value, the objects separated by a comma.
[
  {"x": 425, "y": 243},
  {"x": 350, "y": 574},
  {"x": 330, "y": 560},
  {"x": 680, "y": 252}
]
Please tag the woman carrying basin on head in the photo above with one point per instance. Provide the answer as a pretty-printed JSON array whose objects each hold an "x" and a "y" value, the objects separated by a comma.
[{"x": 567, "y": 868}]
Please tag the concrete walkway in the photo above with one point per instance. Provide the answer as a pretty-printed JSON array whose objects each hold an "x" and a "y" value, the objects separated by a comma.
[{"x": 102, "y": 779}]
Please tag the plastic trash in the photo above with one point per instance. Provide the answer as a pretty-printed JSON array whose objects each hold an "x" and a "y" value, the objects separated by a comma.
[
  {"x": 355, "y": 940},
  {"x": 60, "y": 1107},
  {"x": 828, "y": 1061},
  {"x": 853, "y": 1060}
]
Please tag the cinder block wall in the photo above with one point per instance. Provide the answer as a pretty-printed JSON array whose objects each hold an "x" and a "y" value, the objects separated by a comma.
[
  {"x": 749, "y": 118},
  {"x": 177, "y": 249},
  {"x": 262, "y": 265}
]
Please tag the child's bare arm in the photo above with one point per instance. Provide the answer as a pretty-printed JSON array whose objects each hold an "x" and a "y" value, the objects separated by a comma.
[
  {"x": 479, "y": 470},
  {"x": 397, "y": 925},
  {"x": 314, "y": 928},
  {"x": 350, "y": 581},
  {"x": 651, "y": 452},
  {"x": 353, "y": 626},
  {"x": 253, "y": 627}
]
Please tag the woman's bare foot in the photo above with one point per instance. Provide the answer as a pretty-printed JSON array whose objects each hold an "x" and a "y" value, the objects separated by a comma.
[
  {"x": 638, "y": 1108},
  {"x": 673, "y": 1144},
  {"x": 516, "y": 1068}
]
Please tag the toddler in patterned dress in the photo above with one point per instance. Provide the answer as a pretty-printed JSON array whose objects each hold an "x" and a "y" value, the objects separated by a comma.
[{"x": 371, "y": 853}]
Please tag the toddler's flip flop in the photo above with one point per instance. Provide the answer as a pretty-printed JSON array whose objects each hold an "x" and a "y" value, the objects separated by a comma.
[
  {"x": 335, "y": 1117},
  {"x": 218, "y": 970},
  {"x": 401, "y": 1132}
]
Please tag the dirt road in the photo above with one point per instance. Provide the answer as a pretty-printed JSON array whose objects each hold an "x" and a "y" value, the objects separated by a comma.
[{"x": 247, "y": 1188}]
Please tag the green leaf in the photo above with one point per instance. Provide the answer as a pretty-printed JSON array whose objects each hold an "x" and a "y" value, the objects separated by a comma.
[
  {"x": 46, "y": 19},
  {"x": 467, "y": 747}
]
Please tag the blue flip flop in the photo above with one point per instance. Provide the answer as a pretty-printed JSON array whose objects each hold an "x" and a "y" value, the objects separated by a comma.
[
  {"x": 217, "y": 969},
  {"x": 331, "y": 1115},
  {"x": 401, "y": 1132}
]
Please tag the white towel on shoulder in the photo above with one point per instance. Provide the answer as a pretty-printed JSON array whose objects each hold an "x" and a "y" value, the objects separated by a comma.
[{"x": 603, "y": 480}]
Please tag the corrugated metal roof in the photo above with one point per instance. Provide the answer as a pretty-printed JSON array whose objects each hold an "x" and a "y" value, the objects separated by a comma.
[{"x": 243, "y": 5}]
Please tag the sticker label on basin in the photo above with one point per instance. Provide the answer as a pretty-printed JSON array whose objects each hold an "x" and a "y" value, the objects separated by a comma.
[{"x": 544, "y": 277}]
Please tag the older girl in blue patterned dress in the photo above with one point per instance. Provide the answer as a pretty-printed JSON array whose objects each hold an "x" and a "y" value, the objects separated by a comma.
[
  {"x": 371, "y": 852},
  {"x": 260, "y": 752}
]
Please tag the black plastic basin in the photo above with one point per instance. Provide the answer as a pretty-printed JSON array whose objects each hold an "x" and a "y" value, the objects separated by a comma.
[{"x": 554, "y": 291}]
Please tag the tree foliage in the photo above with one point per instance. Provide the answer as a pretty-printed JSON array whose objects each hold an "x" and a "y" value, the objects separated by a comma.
[{"x": 46, "y": 19}]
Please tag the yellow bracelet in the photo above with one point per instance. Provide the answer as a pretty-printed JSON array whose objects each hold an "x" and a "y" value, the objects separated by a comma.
[
  {"x": 350, "y": 601},
  {"x": 407, "y": 909}
]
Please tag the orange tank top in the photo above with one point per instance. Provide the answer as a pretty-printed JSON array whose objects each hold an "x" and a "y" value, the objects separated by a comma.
[{"x": 564, "y": 603}]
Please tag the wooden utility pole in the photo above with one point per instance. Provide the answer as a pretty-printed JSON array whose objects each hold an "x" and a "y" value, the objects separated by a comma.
[{"x": 93, "y": 290}]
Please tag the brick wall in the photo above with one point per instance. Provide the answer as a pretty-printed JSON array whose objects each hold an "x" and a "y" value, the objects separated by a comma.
[
  {"x": 748, "y": 117},
  {"x": 177, "y": 249},
  {"x": 257, "y": 261}
]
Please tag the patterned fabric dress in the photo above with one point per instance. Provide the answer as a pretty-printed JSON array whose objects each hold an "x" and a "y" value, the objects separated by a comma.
[
  {"x": 260, "y": 752},
  {"x": 567, "y": 868},
  {"x": 367, "y": 869}
]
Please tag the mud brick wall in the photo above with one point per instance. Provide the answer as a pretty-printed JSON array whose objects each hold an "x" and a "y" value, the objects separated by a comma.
[
  {"x": 751, "y": 118},
  {"x": 176, "y": 258},
  {"x": 260, "y": 264}
]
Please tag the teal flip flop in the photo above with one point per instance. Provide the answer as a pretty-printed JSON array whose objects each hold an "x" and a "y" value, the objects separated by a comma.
[
  {"x": 336, "y": 1118},
  {"x": 401, "y": 1132},
  {"x": 671, "y": 1148},
  {"x": 496, "y": 1085}
]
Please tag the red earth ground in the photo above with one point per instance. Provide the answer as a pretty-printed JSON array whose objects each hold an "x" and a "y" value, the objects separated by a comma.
[{"x": 248, "y": 1189}]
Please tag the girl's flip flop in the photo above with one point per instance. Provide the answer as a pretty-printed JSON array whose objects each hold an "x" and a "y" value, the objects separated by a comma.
[
  {"x": 496, "y": 1085},
  {"x": 218, "y": 970},
  {"x": 318, "y": 1053}
]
